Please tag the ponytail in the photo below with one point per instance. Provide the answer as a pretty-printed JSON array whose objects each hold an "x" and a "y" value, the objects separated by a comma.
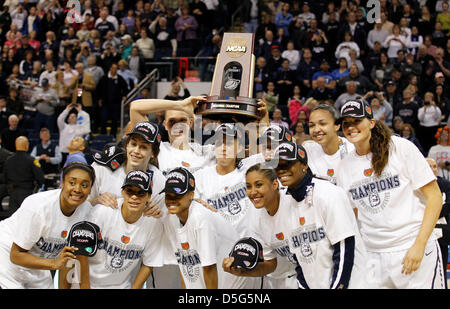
[{"x": 379, "y": 146}]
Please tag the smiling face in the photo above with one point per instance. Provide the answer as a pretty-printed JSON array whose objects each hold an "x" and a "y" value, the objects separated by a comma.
[
  {"x": 260, "y": 189},
  {"x": 139, "y": 152},
  {"x": 290, "y": 173},
  {"x": 179, "y": 204},
  {"x": 134, "y": 200},
  {"x": 322, "y": 128},
  {"x": 358, "y": 130},
  {"x": 75, "y": 188}
]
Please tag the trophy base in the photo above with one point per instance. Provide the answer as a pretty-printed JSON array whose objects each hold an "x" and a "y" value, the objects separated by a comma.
[{"x": 240, "y": 109}]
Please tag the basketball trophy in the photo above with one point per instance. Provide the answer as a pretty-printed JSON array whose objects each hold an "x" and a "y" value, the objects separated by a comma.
[{"x": 230, "y": 98}]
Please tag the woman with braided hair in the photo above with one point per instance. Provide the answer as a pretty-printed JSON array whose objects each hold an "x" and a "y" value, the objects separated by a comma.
[{"x": 397, "y": 199}]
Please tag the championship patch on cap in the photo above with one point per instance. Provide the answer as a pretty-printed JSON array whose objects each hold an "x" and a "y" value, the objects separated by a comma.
[
  {"x": 149, "y": 131},
  {"x": 140, "y": 179},
  {"x": 179, "y": 181},
  {"x": 290, "y": 151},
  {"x": 356, "y": 109},
  {"x": 247, "y": 253},
  {"x": 86, "y": 237},
  {"x": 112, "y": 156}
]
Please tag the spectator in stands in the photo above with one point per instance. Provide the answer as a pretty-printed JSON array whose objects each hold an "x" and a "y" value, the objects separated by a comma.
[
  {"x": 283, "y": 18},
  {"x": 320, "y": 91},
  {"x": 409, "y": 134},
  {"x": 186, "y": 27},
  {"x": 291, "y": 54},
  {"x": 381, "y": 72},
  {"x": 441, "y": 152},
  {"x": 14, "y": 103},
  {"x": 199, "y": 10},
  {"x": 381, "y": 108},
  {"x": 62, "y": 90},
  {"x": 264, "y": 48},
  {"x": 305, "y": 70},
  {"x": 262, "y": 76},
  {"x": 127, "y": 74},
  {"x": 114, "y": 92},
  {"x": 429, "y": 116},
  {"x": 46, "y": 100},
  {"x": 31, "y": 78},
  {"x": 354, "y": 60},
  {"x": 408, "y": 109},
  {"x": 277, "y": 119},
  {"x": 25, "y": 45},
  {"x": 84, "y": 54},
  {"x": 357, "y": 33},
  {"x": 350, "y": 94},
  {"x": 442, "y": 100},
  {"x": 264, "y": 25},
  {"x": 363, "y": 83},
  {"x": 343, "y": 49},
  {"x": 146, "y": 46},
  {"x": 70, "y": 127},
  {"x": 47, "y": 153},
  {"x": 136, "y": 63},
  {"x": 26, "y": 65},
  {"x": 284, "y": 80},
  {"x": 394, "y": 42},
  {"x": 49, "y": 73},
  {"x": 32, "y": 22},
  {"x": 108, "y": 57},
  {"x": 341, "y": 71},
  {"x": 95, "y": 70},
  {"x": 377, "y": 34},
  {"x": 306, "y": 16},
  {"x": 83, "y": 85},
  {"x": 174, "y": 93},
  {"x": 164, "y": 38},
  {"x": 9, "y": 135},
  {"x": 4, "y": 113},
  {"x": 103, "y": 25},
  {"x": 270, "y": 96}
]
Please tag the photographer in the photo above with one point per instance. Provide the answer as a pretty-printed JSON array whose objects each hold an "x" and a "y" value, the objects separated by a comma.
[
  {"x": 72, "y": 122},
  {"x": 46, "y": 100},
  {"x": 429, "y": 116},
  {"x": 83, "y": 84}
]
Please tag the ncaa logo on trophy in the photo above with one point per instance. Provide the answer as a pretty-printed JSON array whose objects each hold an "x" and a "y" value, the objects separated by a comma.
[{"x": 230, "y": 98}]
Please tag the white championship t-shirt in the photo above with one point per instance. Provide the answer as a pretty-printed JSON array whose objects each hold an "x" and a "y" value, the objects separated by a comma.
[
  {"x": 125, "y": 247},
  {"x": 268, "y": 230},
  {"x": 227, "y": 193},
  {"x": 440, "y": 154},
  {"x": 314, "y": 226},
  {"x": 204, "y": 240},
  {"x": 110, "y": 181},
  {"x": 390, "y": 207},
  {"x": 40, "y": 227},
  {"x": 193, "y": 159},
  {"x": 323, "y": 165}
]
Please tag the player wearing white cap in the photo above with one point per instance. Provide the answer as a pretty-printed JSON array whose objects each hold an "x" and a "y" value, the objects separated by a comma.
[
  {"x": 199, "y": 238},
  {"x": 34, "y": 238},
  {"x": 321, "y": 228},
  {"x": 397, "y": 199},
  {"x": 132, "y": 243},
  {"x": 327, "y": 148}
]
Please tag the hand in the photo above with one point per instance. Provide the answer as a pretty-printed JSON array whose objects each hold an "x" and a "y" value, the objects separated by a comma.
[
  {"x": 205, "y": 204},
  {"x": 64, "y": 256},
  {"x": 153, "y": 210},
  {"x": 262, "y": 109},
  {"x": 226, "y": 265},
  {"x": 189, "y": 104},
  {"x": 412, "y": 259},
  {"x": 108, "y": 199}
]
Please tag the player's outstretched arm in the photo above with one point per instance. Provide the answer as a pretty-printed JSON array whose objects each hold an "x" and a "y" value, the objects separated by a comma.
[
  {"x": 414, "y": 255},
  {"x": 261, "y": 269},
  {"x": 140, "y": 108},
  {"x": 22, "y": 257}
]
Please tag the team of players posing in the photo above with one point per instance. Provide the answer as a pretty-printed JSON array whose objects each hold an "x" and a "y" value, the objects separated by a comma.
[{"x": 176, "y": 209}]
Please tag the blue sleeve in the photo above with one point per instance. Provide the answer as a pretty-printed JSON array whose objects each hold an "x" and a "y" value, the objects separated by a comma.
[
  {"x": 343, "y": 258},
  {"x": 300, "y": 276}
]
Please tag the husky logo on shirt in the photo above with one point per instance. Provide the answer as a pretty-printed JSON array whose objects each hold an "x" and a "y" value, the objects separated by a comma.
[
  {"x": 282, "y": 249},
  {"x": 373, "y": 193},
  {"x": 304, "y": 239},
  {"x": 232, "y": 203},
  {"x": 120, "y": 256},
  {"x": 190, "y": 264}
]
